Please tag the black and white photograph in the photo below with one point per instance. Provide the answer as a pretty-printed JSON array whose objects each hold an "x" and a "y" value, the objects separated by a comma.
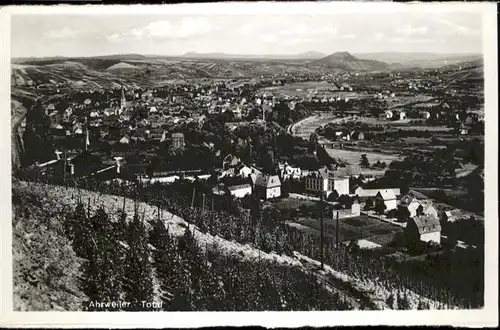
[{"x": 188, "y": 159}]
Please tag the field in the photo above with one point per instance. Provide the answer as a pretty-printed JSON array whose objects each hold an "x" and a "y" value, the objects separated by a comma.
[
  {"x": 424, "y": 128},
  {"x": 361, "y": 227},
  {"x": 292, "y": 203},
  {"x": 309, "y": 88},
  {"x": 354, "y": 157}
]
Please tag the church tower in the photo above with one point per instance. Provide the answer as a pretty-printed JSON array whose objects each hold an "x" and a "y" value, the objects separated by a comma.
[{"x": 123, "y": 101}]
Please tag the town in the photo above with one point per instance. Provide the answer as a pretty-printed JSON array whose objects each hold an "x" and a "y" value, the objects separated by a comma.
[{"x": 378, "y": 174}]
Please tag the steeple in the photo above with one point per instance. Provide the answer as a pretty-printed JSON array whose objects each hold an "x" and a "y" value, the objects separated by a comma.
[
  {"x": 263, "y": 113},
  {"x": 123, "y": 101}
]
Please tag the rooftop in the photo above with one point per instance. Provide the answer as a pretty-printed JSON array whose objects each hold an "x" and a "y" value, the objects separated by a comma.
[{"x": 427, "y": 224}]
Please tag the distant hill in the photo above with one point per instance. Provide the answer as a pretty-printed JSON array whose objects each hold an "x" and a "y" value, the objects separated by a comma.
[
  {"x": 348, "y": 62},
  {"x": 408, "y": 57},
  {"x": 48, "y": 60},
  {"x": 425, "y": 60},
  {"x": 302, "y": 56},
  {"x": 120, "y": 57},
  {"x": 122, "y": 65},
  {"x": 469, "y": 75}
]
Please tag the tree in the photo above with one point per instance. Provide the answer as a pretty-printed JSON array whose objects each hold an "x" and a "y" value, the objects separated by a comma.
[
  {"x": 345, "y": 201},
  {"x": 333, "y": 197},
  {"x": 422, "y": 305},
  {"x": 380, "y": 206},
  {"x": 313, "y": 142},
  {"x": 369, "y": 204},
  {"x": 364, "y": 161},
  {"x": 138, "y": 283},
  {"x": 403, "y": 214}
]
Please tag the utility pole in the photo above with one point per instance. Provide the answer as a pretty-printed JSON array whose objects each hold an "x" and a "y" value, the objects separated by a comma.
[
  {"x": 321, "y": 238},
  {"x": 337, "y": 231},
  {"x": 192, "y": 198},
  {"x": 203, "y": 204},
  {"x": 64, "y": 167}
]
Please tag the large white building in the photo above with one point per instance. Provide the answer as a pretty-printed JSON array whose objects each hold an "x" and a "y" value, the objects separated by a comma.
[{"x": 325, "y": 181}]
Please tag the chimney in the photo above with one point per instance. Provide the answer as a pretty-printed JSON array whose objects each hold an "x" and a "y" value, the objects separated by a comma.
[{"x": 72, "y": 169}]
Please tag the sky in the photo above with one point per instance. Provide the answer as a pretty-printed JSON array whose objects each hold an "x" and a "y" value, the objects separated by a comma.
[{"x": 175, "y": 34}]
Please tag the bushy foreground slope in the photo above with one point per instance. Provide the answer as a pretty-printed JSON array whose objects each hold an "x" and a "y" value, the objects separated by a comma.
[{"x": 69, "y": 253}]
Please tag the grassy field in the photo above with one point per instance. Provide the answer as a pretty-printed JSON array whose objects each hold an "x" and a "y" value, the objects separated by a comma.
[
  {"x": 309, "y": 88},
  {"x": 354, "y": 157},
  {"x": 292, "y": 203},
  {"x": 361, "y": 227},
  {"x": 424, "y": 128}
]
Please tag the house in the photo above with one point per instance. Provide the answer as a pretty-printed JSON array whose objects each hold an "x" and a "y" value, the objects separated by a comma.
[
  {"x": 146, "y": 96},
  {"x": 240, "y": 191},
  {"x": 409, "y": 203},
  {"x": 78, "y": 129},
  {"x": 388, "y": 114},
  {"x": 402, "y": 115},
  {"x": 254, "y": 176},
  {"x": 244, "y": 171},
  {"x": 357, "y": 135},
  {"x": 125, "y": 139},
  {"x": 111, "y": 120},
  {"x": 355, "y": 207},
  {"x": 388, "y": 197},
  {"x": 429, "y": 209},
  {"x": 156, "y": 133},
  {"x": 219, "y": 189},
  {"x": 94, "y": 114},
  {"x": 325, "y": 180},
  {"x": 109, "y": 112},
  {"x": 286, "y": 171},
  {"x": 178, "y": 140},
  {"x": 425, "y": 228},
  {"x": 463, "y": 130},
  {"x": 49, "y": 109},
  {"x": 425, "y": 114},
  {"x": 451, "y": 215},
  {"x": 268, "y": 186},
  {"x": 230, "y": 161},
  {"x": 55, "y": 118}
]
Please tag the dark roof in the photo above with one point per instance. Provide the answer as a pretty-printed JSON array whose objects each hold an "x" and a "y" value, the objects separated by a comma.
[
  {"x": 427, "y": 224},
  {"x": 268, "y": 181},
  {"x": 407, "y": 200},
  {"x": 417, "y": 194},
  {"x": 325, "y": 173}
]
